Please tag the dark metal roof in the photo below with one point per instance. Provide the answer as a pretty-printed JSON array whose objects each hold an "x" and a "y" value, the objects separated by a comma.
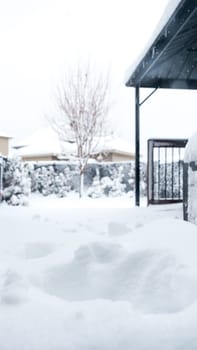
[
  {"x": 172, "y": 143},
  {"x": 171, "y": 59}
]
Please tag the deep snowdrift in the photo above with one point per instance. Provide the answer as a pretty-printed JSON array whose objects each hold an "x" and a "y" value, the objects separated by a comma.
[{"x": 96, "y": 278}]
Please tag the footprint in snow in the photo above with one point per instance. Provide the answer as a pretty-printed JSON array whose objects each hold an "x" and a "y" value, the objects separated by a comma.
[
  {"x": 117, "y": 229},
  {"x": 138, "y": 224},
  {"x": 36, "y": 217},
  {"x": 35, "y": 250},
  {"x": 13, "y": 288}
]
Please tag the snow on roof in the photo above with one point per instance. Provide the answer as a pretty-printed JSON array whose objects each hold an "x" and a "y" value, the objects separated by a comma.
[
  {"x": 113, "y": 144},
  {"x": 170, "y": 8},
  {"x": 40, "y": 136},
  {"x": 4, "y": 134},
  {"x": 45, "y": 141}
]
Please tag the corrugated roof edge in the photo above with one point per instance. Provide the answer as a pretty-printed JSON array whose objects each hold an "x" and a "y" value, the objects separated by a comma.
[{"x": 169, "y": 10}]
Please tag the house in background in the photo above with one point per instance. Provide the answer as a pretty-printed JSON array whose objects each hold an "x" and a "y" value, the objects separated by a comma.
[
  {"x": 45, "y": 145},
  {"x": 4, "y": 144},
  {"x": 42, "y": 145},
  {"x": 113, "y": 149}
]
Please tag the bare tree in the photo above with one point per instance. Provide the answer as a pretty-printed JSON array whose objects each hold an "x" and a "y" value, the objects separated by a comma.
[{"x": 83, "y": 103}]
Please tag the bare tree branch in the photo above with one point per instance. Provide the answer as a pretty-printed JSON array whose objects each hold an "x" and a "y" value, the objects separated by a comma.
[{"x": 83, "y": 103}]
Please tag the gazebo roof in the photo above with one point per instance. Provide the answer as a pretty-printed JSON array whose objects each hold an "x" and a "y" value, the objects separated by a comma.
[{"x": 170, "y": 60}]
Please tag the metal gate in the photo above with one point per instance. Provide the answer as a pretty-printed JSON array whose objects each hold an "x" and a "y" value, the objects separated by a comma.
[{"x": 165, "y": 170}]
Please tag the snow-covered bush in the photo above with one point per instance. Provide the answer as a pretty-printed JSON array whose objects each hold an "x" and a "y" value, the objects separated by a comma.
[
  {"x": 119, "y": 186},
  {"x": 95, "y": 190},
  {"x": 106, "y": 185},
  {"x": 60, "y": 178},
  {"x": 16, "y": 182},
  {"x": 100, "y": 179},
  {"x": 48, "y": 179},
  {"x": 114, "y": 179}
]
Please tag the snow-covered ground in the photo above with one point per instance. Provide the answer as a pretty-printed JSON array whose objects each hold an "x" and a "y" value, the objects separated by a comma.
[{"x": 97, "y": 275}]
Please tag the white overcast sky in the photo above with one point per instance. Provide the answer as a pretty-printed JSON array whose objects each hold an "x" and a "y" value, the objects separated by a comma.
[{"x": 40, "y": 38}]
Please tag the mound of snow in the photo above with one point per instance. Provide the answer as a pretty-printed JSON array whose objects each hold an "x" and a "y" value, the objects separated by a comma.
[{"x": 96, "y": 278}]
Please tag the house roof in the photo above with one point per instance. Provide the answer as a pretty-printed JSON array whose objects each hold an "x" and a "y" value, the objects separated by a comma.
[
  {"x": 113, "y": 144},
  {"x": 170, "y": 59},
  {"x": 4, "y": 135},
  {"x": 45, "y": 141}
]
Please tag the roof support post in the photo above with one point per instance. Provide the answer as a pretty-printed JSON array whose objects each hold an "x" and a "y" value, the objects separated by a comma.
[
  {"x": 138, "y": 104},
  {"x": 137, "y": 146}
]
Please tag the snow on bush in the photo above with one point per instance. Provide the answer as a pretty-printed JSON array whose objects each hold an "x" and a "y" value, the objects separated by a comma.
[
  {"x": 60, "y": 178},
  {"x": 16, "y": 182},
  {"x": 100, "y": 179},
  {"x": 52, "y": 178},
  {"x": 112, "y": 187},
  {"x": 112, "y": 180}
]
